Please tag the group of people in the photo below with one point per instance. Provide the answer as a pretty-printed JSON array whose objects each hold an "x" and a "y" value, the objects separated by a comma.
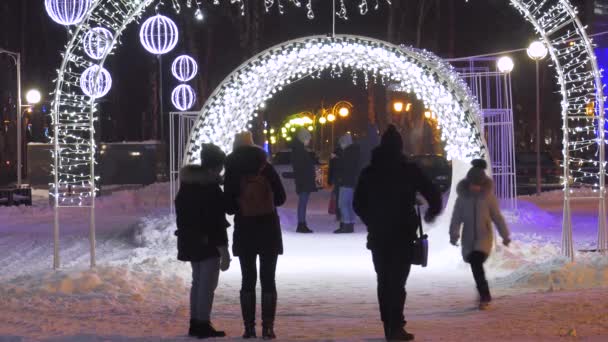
[
  {"x": 344, "y": 168},
  {"x": 384, "y": 197}
]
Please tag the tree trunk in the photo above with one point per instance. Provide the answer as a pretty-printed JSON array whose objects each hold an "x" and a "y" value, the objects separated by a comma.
[{"x": 451, "y": 30}]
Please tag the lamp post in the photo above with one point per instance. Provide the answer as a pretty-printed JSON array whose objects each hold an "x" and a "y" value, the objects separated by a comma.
[
  {"x": 32, "y": 97},
  {"x": 537, "y": 51},
  {"x": 331, "y": 118}
]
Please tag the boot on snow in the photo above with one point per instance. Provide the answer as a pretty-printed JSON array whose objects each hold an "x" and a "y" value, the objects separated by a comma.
[
  {"x": 303, "y": 228},
  {"x": 345, "y": 228},
  {"x": 397, "y": 333},
  {"x": 203, "y": 329},
  {"x": 269, "y": 309},
  {"x": 248, "y": 311}
]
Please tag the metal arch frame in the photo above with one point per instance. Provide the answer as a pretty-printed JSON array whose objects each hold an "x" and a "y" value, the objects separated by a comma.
[{"x": 528, "y": 8}]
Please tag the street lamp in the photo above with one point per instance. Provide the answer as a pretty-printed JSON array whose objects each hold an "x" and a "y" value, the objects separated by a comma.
[
  {"x": 343, "y": 112},
  {"x": 33, "y": 97},
  {"x": 537, "y": 51},
  {"x": 398, "y": 106},
  {"x": 505, "y": 64}
]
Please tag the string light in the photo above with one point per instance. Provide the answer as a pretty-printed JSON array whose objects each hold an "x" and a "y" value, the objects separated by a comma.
[
  {"x": 183, "y": 97},
  {"x": 184, "y": 68},
  {"x": 67, "y": 12},
  {"x": 96, "y": 81}
]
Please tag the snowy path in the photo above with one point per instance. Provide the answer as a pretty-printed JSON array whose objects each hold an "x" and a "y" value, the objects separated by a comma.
[{"x": 326, "y": 282}]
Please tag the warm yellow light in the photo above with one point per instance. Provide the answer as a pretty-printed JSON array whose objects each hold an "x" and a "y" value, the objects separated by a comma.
[
  {"x": 265, "y": 131},
  {"x": 408, "y": 107},
  {"x": 427, "y": 114},
  {"x": 293, "y": 129},
  {"x": 398, "y": 106},
  {"x": 331, "y": 118},
  {"x": 322, "y": 120},
  {"x": 272, "y": 131},
  {"x": 343, "y": 112},
  {"x": 310, "y": 128}
]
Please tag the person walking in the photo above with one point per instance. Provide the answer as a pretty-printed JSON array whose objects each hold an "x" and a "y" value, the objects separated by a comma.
[
  {"x": 253, "y": 191},
  {"x": 304, "y": 173},
  {"x": 385, "y": 199},
  {"x": 475, "y": 210},
  {"x": 348, "y": 173},
  {"x": 201, "y": 235}
]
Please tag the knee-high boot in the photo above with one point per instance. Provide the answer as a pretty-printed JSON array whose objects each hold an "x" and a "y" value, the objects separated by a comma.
[
  {"x": 248, "y": 311},
  {"x": 269, "y": 309}
]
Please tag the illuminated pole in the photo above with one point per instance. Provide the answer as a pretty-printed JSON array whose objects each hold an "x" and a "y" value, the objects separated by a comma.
[{"x": 537, "y": 51}]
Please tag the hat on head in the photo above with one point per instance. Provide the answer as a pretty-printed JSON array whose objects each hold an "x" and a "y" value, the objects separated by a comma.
[
  {"x": 391, "y": 139},
  {"x": 346, "y": 140},
  {"x": 303, "y": 135},
  {"x": 243, "y": 139},
  {"x": 477, "y": 173},
  {"x": 212, "y": 156}
]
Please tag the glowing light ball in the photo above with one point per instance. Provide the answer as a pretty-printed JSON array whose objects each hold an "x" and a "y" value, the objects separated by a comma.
[
  {"x": 343, "y": 112},
  {"x": 183, "y": 97},
  {"x": 33, "y": 96},
  {"x": 97, "y": 42},
  {"x": 505, "y": 64},
  {"x": 93, "y": 87},
  {"x": 184, "y": 68},
  {"x": 537, "y": 51},
  {"x": 67, "y": 12},
  {"x": 159, "y": 34}
]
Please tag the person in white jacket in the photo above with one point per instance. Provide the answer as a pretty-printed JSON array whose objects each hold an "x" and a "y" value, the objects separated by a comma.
[{"x": 475, "y": 210}]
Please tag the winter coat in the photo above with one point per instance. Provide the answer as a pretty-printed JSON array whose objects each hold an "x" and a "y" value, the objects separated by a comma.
[
  {"x": 303, "y": 168},
  {"x": 475, "y": 212},
  {"x": 201, "y": 215},
  {"x": 385, "y": 199},
  {"x": 260, "y": 234},
  {"x": 348, "y": 170}
]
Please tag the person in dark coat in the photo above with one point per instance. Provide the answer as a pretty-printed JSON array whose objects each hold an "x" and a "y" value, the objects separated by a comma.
[
  {"x": 304, "y": 173},
  {"x": 255, "y": 235},
  {"x": 347, "y": 180},
  {"x": 332, "y": 177},
  {"x": 385, "y": 199},
  {"x": 201, "y": 234}
]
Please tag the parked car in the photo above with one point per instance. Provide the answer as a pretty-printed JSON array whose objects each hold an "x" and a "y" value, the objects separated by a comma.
[
  {"x": 437, "y": 167},
  {"x": 526, "y": 172}
]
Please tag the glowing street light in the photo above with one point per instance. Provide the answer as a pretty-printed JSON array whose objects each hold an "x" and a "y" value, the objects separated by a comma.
[
  {"x": 343, "y": 112},
  {"x": 331, "y": 117},
  {"x": 322, "y": 120},
  {"x": 398, "y": 106},
  {"x": 537, "y": 51},
  {"x": 428, "y": 114},
  {"x": 33, "y": 96},
  {"x": 505, "y": 64}
]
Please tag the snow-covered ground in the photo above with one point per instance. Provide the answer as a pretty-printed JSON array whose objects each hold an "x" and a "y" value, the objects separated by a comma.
[{"x": 326, "y": 282}]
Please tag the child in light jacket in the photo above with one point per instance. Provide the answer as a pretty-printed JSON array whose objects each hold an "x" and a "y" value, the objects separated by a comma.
[{"x": 475, "y": 210}]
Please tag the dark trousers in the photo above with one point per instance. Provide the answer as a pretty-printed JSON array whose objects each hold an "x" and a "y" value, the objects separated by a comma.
[
  {"x": 268, "y": 267},
  {"x": 392, "y": 267},
  {"x": 476, "y": 259}
]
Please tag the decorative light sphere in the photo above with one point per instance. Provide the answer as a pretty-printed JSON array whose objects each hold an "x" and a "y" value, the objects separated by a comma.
[
  {"x": 505, "y": 64},
  {"x": 33, "y": 96},
  {"x": 67, "y": 12},
  {"x": 537, "y": 51},
  {"x": 95, "y": 89},
  {"x": 184, "y": 68},
  {"x": 183, "y": 97},
  {"x": 97, "y": 42},
  {"x": 158, "y": 34}
]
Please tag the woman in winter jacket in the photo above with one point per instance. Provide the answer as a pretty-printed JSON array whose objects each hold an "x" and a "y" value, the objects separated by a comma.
[
  {"x": 255, "y": 235},
  {"x": 201, "y": 235},
  {"x": 475, "y": 210},
  {"x": 304, "y": 173}
]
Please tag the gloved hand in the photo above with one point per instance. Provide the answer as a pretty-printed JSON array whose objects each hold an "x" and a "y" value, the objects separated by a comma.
[
  {"x": 506, "y": 242},
  {"x": 224, "y": 258}
]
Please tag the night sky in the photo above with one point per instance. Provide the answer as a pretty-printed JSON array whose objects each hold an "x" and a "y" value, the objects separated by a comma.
[{"x": 480, "y": 26}]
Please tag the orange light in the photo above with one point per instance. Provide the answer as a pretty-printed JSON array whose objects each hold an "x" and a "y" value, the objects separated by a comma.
[
  {"x": 322, "y": 120},
  {"x": 343, "y": 112},
  {"x": 427, "y": 114},
  {"x": 398, "y": 106},
  {"x": 408, "y": 107},
  {"x": 331, "y": 118}
]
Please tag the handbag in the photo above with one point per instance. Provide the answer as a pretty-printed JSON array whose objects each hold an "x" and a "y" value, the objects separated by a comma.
[{"x": 420, "y": 245}]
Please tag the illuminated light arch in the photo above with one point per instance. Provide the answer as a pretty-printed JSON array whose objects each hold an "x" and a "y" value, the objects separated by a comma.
[{"x": 555, "y": 21}]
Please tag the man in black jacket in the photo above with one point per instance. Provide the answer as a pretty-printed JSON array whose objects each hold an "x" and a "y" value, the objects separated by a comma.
[
  {"x": 348, "y": 173},
  {"x": 304, "y": 173},
  {"x": 385, "y": 200}
]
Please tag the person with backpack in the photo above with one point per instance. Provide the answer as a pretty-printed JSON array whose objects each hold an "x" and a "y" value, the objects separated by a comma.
[
  {"x": 385, "y": 200},
  {"x": 253, "y": 192},
  {"x": 304, "y": 173},
  {"x": 201, "y": 235},
  {"x": 475, "y": 210}
]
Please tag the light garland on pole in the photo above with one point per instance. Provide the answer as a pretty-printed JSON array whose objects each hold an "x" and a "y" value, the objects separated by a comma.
[
  {"x": 97, "y": 42},
  {"x": 96, "y": 82},
  {"x": 67, "y": 12},
  {"x": 183, "y": 97},
  {"x": 184, "y": 68},
  {"x": 159, "y": 34}
]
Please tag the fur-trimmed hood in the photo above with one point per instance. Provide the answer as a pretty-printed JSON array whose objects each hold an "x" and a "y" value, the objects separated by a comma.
[
  {"x": 196, "y": 174},
  {"x": 462, "y": 189}
]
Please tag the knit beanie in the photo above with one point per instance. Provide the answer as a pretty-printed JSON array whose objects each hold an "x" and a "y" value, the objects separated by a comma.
[
  {"x": 242, "y": 139},
  {"x": 303, "y": 135},
  {"x": 212, "y": 156},
  {"x": 391, "y": 139},
  {"x": 477, "y": 173}
]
